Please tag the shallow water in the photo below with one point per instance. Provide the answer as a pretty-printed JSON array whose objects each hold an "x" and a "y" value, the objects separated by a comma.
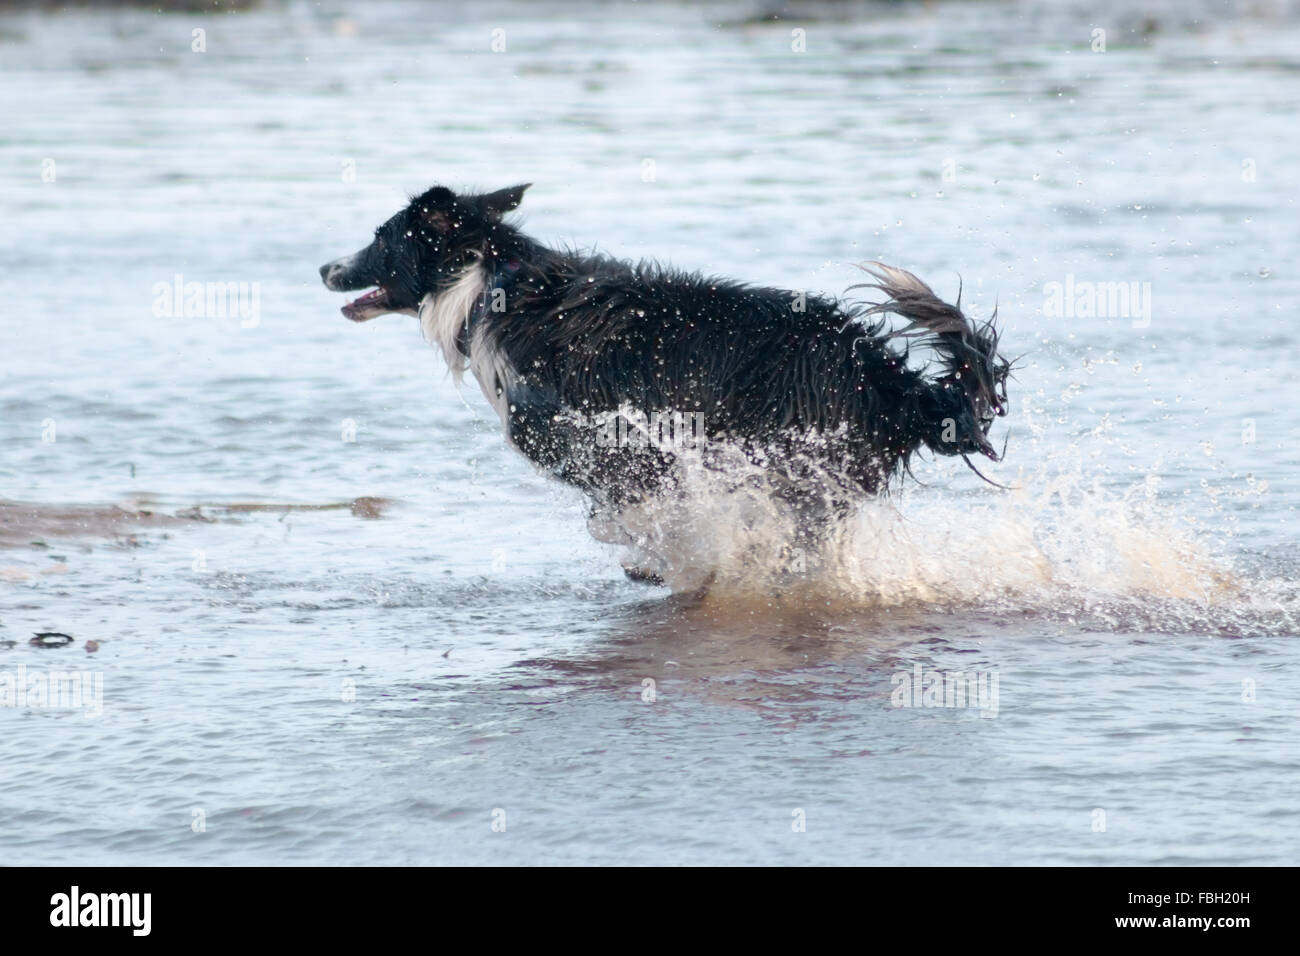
[{"x": 1134, "y": 596}]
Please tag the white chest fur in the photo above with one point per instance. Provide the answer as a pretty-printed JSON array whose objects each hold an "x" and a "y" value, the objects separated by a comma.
[{"x": 443, "y": 316}]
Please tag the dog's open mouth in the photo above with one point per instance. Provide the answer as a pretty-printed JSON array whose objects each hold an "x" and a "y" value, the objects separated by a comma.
[{"x": 373, "y": 303}]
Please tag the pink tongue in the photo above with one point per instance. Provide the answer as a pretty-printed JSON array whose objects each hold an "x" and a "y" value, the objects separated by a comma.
[{"x": 368, "y": 297}]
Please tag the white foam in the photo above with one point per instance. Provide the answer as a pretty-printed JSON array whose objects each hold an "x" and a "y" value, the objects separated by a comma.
[{"x": 1060, "y": 544}]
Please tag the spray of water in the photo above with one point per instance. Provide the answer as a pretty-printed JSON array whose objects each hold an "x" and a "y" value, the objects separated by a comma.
[{"x": 1060, "y": 545}]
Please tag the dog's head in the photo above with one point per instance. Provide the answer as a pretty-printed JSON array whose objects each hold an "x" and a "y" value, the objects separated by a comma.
[
  {"x": 956, "y": 409},
  {"x": 957, "y": 420},
  {"x": 420, "y": 249}
]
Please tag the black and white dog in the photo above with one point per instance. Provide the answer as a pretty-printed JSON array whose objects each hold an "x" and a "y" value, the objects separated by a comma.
[{"x": 809, "y": 387}]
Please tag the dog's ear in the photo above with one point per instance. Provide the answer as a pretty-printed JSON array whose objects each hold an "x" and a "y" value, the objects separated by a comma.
[
  {"x": 497, "y": 204},
  {"x": 437, "y": 208}
]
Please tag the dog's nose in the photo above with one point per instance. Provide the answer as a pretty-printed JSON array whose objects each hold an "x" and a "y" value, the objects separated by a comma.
[{"x": 325, "y": 271}]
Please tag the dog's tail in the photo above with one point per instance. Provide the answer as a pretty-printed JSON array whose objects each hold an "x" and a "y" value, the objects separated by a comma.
[{"x": 969, "y": 353}]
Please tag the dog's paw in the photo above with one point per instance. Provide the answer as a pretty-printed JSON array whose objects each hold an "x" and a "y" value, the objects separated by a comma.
[{"x": 642, "y": 576}]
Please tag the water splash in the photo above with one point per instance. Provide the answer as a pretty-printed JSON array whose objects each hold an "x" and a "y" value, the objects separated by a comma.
[{"x": 1061, "y": 546}]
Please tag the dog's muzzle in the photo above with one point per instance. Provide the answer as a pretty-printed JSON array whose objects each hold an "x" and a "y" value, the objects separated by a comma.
[
  {"x": 346, "y": 275},
  {"x": 338, "y": 275}
]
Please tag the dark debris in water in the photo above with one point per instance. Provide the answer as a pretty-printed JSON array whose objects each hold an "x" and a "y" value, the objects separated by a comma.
[{"x": 51, "y": 639}]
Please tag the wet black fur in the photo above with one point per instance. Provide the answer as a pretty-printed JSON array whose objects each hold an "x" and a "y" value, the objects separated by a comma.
[{"x": 826, "y": 390}]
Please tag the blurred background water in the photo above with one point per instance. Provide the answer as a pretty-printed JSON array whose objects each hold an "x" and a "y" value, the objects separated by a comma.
[{"x": 384, "y": 683}]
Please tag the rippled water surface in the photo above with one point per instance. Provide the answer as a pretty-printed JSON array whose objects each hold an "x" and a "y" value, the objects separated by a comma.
[{"x": 451, "y": 669}]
